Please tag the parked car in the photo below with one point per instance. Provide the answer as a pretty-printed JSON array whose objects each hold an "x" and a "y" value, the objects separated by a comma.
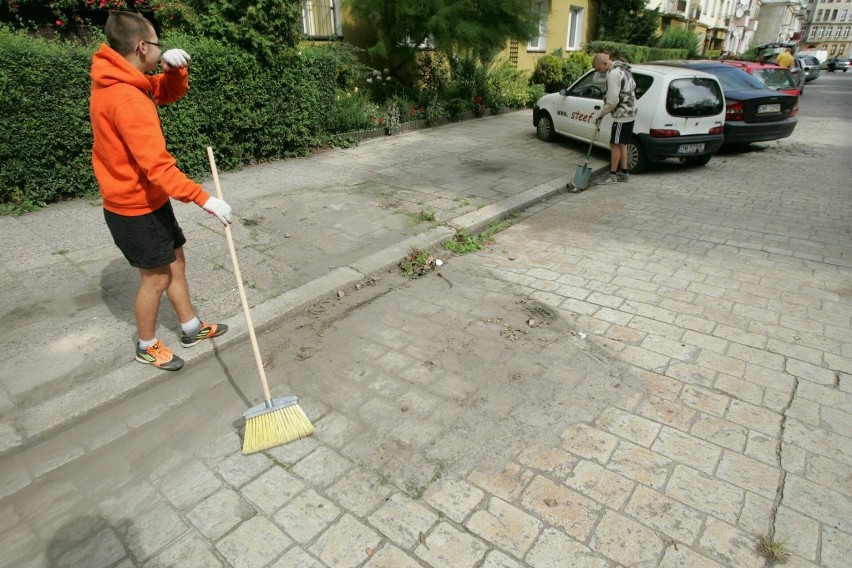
[
  {"x": 810, "y": 66},
  {"x": 681, "y": 113},
  {"x": 753, "y": 112},
  {"x": 837, "y": 64},
  {"x": 775, "y": 77},
  {"x": 769, "y": 52}
]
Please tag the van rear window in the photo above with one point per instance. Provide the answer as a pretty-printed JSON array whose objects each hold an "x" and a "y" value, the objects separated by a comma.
[{"x": 697, "y": 96}]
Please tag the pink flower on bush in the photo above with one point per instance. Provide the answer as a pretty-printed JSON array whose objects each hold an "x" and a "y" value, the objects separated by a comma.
[
  {"x": 59, "y": 23},
  {"x": 478, "y": 99}
]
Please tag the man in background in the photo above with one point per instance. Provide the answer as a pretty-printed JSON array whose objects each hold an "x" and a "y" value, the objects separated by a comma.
[
  {"x": 785, "y": 59},
  {"x": 620, "y": 102}
]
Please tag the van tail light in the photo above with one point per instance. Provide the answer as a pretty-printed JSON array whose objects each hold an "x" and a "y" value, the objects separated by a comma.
[
  {"x": 717, "y": 130},
  {"x": 663, "y": 133},
  {"x": 795, "y": 110},
  {"x": 734, "y": 110}
]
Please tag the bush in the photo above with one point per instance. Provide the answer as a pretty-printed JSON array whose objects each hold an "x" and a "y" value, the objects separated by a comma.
[
  {"x": 536, "y": 92},
  {"x": 468, "y": 87},
  {"x": 352, "y": 110},
  {"x": 634, "y": 53},
  {"x": 574, "y": 65},
  {"x": 45, "y": 136},
  {"x": 248, "y": 111},
  {"x": 548, "y": 72},
  {"x": 659, "y": 54},
  {"x": 681, "y": 38},
  {"x": 508, "y": 86}
]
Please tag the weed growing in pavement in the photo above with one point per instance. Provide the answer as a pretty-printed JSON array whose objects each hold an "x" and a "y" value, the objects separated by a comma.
[
  {"x": 463, "y": 242},
  {"x": 427, "y": 215},
  {"x": 417, "y": 263},
  {"x": 495, "y": 228},
  {"x": 418, "y": 491},
  {"x": 773, "y": 550}
]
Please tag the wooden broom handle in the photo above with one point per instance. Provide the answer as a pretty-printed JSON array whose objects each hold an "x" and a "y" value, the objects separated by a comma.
[{"x": 257, "y": 358}]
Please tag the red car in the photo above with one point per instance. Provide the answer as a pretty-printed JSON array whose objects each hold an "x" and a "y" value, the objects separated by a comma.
[{"x": 774, "y": 77}]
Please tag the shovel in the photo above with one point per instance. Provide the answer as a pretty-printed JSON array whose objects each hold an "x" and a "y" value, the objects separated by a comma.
[{"x": 583, "y": 175}]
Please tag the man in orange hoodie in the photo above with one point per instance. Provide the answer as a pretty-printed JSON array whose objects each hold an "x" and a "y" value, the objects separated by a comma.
[{"x": 137, "y": 176}]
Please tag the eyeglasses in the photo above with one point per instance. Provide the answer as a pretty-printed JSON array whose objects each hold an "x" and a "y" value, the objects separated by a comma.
[{"x": 152, "y": 43}]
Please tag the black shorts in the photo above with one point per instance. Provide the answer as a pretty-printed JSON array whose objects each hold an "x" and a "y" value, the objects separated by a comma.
[
  {"x": 621, "y": 132},
  {"x": 147, "y": 241}
]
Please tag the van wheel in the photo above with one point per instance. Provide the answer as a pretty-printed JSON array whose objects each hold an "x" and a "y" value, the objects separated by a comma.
[
  {"x": 699, "y": 160},
  {"x": 545, "y": 129},
  {"x": 637, "y": 159}
]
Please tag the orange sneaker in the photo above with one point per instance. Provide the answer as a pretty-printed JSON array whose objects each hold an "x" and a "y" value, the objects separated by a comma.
[
  {"x": 160, "y": 356},
  {"x": 207, "y": 331}
]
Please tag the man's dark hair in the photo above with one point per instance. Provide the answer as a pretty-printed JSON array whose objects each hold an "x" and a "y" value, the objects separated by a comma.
[{"x": 125, "y": 29}]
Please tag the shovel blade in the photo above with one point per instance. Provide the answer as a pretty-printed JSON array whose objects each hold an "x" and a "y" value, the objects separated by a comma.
[{"x": 582, "y": 177}]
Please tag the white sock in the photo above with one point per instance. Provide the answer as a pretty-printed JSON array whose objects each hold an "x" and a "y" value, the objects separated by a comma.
[
  {"x": 146, "y": 343},
  {"x": 191, "y": 327}
]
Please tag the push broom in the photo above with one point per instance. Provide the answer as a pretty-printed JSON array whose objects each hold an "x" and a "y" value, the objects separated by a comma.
[{"x": 273, "y": 422}]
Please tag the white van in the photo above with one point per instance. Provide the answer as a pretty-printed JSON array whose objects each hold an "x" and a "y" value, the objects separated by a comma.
[{"x": 681, "y": 114}]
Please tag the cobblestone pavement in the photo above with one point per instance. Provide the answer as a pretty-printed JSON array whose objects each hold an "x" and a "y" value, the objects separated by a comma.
[{"x": 656, "y": 374}]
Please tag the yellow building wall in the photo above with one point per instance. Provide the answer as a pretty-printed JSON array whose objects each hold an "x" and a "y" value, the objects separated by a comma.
[{"x": 557, "y": 32}]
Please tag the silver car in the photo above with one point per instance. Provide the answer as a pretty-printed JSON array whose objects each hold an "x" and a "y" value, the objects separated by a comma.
[{"x": 810, "y": 67}]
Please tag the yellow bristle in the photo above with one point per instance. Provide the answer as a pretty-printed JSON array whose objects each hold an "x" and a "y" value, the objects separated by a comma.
[{"x": 276, "y": 428}]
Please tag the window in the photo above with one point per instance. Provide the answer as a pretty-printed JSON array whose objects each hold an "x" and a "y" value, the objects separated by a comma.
[
  {"x": 819, "y": 16},
  {"x": 539, "y": 12},
  {"x": 843, "y": 15},
  {"x": 694, "y": 97},
  {"x": 776, "y": 79},
  {"x": 321, "y": 19},
  {"x": 575, "y": 29},
  {"x": 592, "y": 86}
]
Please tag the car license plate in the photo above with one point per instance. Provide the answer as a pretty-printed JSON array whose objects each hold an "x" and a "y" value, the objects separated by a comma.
[
  {"x": 762, "y": 109},
  {"x": 690, "y": 148}
]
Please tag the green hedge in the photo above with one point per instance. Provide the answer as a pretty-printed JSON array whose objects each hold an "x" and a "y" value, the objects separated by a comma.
[
  {"x": 45, "y": 137},
  {"x": 247, "y": 111},
  {"x": 634, "y": 53}
]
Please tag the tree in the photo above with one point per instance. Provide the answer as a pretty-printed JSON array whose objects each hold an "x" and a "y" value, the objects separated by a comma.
[
  {"x": 628, "y": 21},
  {"x": 682, "y": 38},
  {"x": 477, "y": 27}
]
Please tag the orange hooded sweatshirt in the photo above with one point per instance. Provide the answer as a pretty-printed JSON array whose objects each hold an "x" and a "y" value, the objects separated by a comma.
[{"x": 135, "y": 172}]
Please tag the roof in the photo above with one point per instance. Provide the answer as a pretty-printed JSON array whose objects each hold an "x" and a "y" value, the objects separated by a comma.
[
  {"x": 751, "y": 64},
  {"x": 664, "y": 68},
  {"x": 691, "y": 63}
]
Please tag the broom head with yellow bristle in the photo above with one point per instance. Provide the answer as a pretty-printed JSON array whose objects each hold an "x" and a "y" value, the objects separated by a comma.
[{"x": 274, "y": 423}]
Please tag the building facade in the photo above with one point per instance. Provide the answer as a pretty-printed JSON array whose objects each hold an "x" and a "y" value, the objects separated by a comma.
[
  {"x": 563, "y": 24},
  {"x": 780, "y": 20},
  {"x": 721, "y": 25},
  {"x": 828, "y": 26}
]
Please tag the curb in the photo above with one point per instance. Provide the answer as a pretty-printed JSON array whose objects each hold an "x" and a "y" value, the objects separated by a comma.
[{"x": 39, "y": 422}]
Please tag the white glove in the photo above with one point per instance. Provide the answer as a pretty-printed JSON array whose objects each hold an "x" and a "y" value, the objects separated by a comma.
[
  {"x": 176, "y": 58},
  {"x": 216, "y": 206}
]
